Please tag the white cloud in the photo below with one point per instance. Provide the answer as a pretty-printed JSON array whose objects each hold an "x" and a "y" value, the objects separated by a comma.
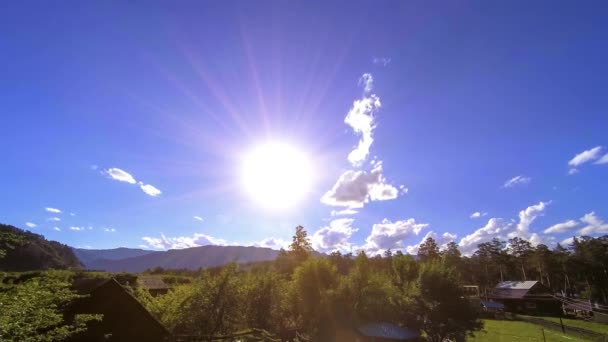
[
  {"x": 198, "y": 218},
  {"x": 573, "y": 171},
  {"x": 343, "y": 212},
  {"x": 384, "y": 61},
  {"x": 72, "y": 214},
  {"x": 567, "y": 241},
  {"x": 441, "y": 240},
  {"x": 120, "y": 175},
  {"x": 181, "y": 242},
  {"x": 56, "y": 219},
  {"x": 527, "y": 216},
  {"x": 30, "y": 224},
  {"x": 517, "y": 180},
  {"x": 57, "y": 229},
  {"x": 495, "y": 227},
  {"x": 272, "y": 243},
  {"x": 585, "y": 156},
  {"x": 478, "y": 214},
  {"x": 367, "y": 81},
  {"x": 361, "y": 119},
  {"x": 53, "y": 210},
  {"x": 561, "y": 227},
  {"x": 77, "y": 228},
  {"x": 603, "y": 160},
  {"x": 594, "y": 225},
  {"x": 334, "y": 237},
  {"x": 503, "y": 229},
  {"x": 389, "y": 234},
  {"x": 149, "y": 189},
  {"x": 110, "y": 230},
  {"x": 354, "y": 188}
]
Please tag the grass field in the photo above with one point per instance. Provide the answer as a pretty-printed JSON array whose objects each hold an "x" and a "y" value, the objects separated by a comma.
[
  {"x": 597, "y": 327},
  {"x": 503, "y": 331}
]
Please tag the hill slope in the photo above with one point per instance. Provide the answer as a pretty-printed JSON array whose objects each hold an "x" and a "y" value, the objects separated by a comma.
[
  {"x": 189, "y": 258},
  {"x": 88, "y": 257},
  {"x": 22, "y": 250}
]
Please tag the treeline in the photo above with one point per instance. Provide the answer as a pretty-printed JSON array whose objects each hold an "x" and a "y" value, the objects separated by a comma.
[
  {"x": 579, "y": 269},
  {"x": 316, "y": 297},
  {"x": 22, "y": 250}
]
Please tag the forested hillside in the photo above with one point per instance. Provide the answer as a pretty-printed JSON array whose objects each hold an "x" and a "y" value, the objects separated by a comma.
[
  {"x": 22, "y": 250},
  {"x": 88, "y": 257},
  {"x": 187, "y": 258}
]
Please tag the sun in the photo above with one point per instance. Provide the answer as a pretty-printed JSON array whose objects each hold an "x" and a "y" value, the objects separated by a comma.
[{"x": 276, "y": 175}]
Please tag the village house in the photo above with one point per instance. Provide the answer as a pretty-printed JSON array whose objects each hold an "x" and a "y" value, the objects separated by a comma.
[
  {"x": 526, "y": 297},
  {"x": 124, "y": 318}
]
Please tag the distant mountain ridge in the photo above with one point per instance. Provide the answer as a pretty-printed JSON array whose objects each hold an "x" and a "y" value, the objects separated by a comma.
[
  {"x": 22, "y": 250},
  {"x": 89, "y": 257},
  {"x": 188, "y": 258}
]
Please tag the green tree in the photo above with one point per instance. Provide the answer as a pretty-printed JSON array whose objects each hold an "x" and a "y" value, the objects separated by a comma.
[
  {"x": 300, "y": 246},
  {"x": 520, "y": 249},
  {"x": 314, "y": 284},
  {"x": 428, "y": 250},
  {"x": 215, "y": 305},
  {"x": 33, "y": 310},
  {"x": 451, "y": 255},
  {"x": 445, "y": 313}
]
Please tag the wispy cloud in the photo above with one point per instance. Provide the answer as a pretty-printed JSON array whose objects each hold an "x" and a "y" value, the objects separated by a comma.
[
  {"x": 603, "y": 160},
  {"x": 76, "y": 228},
  {"x": 343, "y": 212},
  {"x": 123, "y": 176},
  {"x": 517, "y": 180},
  {"x": 584, "y": 157},
  {"x": 354, "y": 188},
  {"x": 149, "y": 189},
  {"x": 31, "y": 224},
  {"x": 53, "y": 210},
  {"x": 593, "y": 225},
  {"x": 367, "y": 82},
  {"x": 477, "y": 214},
  {"x": 57, "y": 229},
  {"x": 198, "y": 218},
  {"x": 384, "y": 61},
  {"x": 561, "y": 227},
  {"x": 109, "y": 230},
  {"x": 120, "y": 175},
  {"x": 56, "y": 219}
]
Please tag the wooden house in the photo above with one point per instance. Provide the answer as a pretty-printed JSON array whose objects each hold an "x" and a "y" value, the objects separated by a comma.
[
  {"x": 153, "y": 283},
  {"x": 124, "y": 318},
  {"x": 526, "y": 297}
]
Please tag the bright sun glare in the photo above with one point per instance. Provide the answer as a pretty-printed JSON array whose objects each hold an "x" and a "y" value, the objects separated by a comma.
[{"x": 276, "y": 175}]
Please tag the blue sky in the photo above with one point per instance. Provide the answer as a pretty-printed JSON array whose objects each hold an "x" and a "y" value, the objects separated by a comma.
[{"x": 132, "y": 119}]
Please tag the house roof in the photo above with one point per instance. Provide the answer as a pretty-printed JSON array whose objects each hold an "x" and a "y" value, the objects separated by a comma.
[
  {"x": 516, "y": 285},
  {"x": 151, "y": 282},
  {"x": 387, "y": 331}
]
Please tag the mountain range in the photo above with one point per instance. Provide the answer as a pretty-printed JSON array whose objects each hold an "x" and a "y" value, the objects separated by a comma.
[
  {"x": 21, "y": 250},
  {"x": 139, "y": 260}
]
